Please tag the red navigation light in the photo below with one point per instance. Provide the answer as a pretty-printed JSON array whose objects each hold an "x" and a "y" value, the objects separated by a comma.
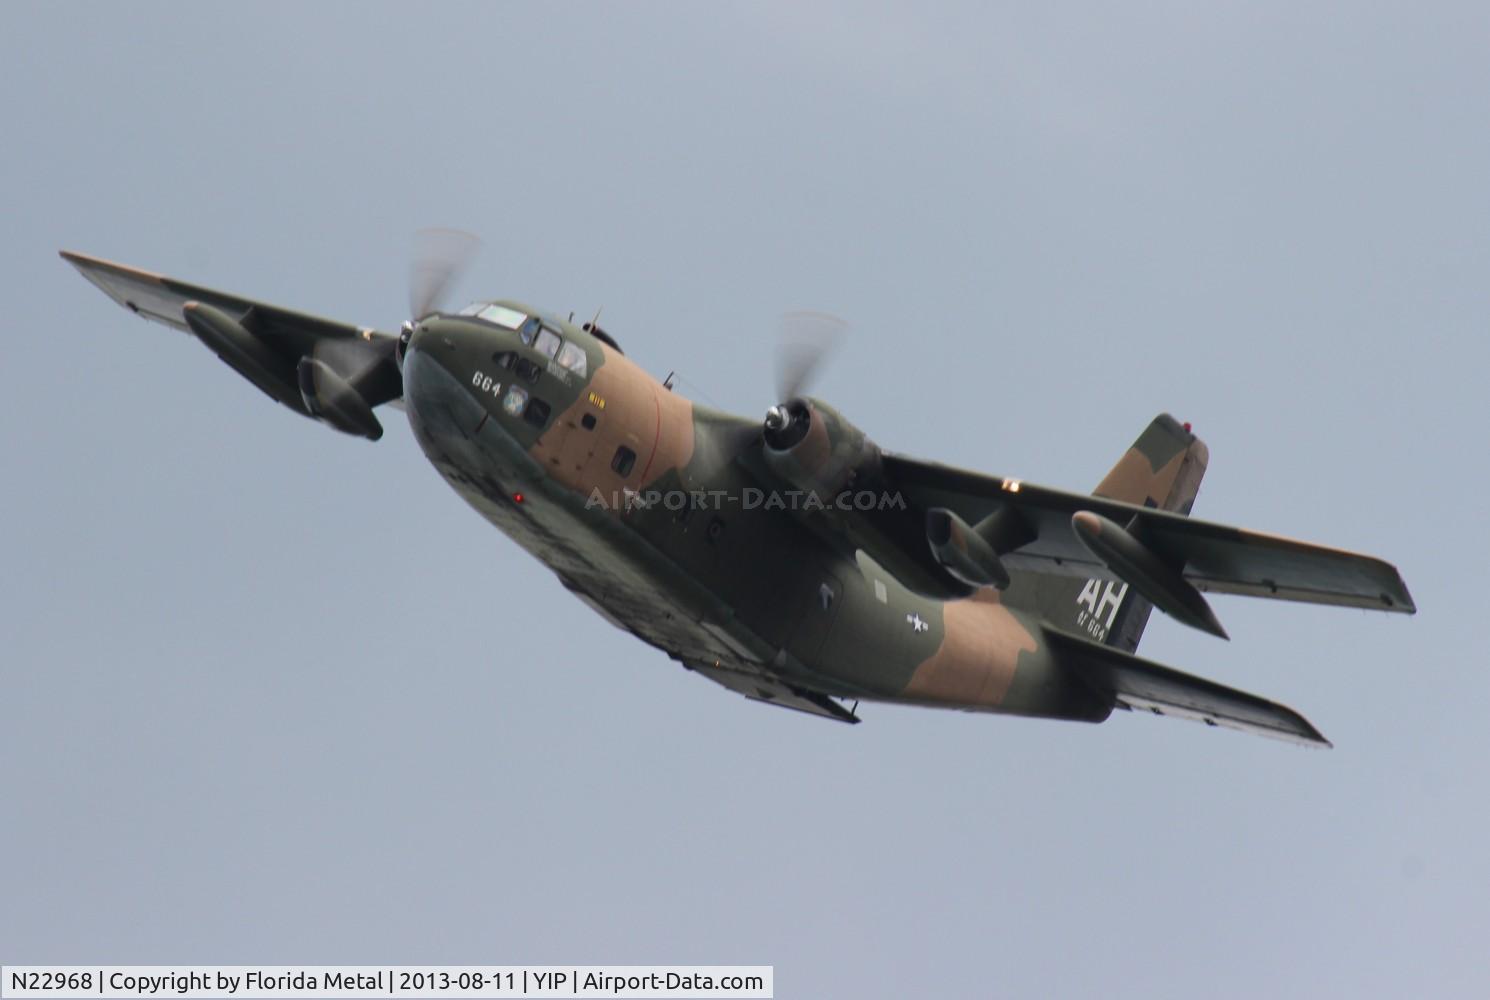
[{"x": 517, "y": 498}]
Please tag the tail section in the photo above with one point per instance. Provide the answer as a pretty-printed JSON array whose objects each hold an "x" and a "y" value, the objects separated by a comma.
[{"x": 1162, "y": 469}]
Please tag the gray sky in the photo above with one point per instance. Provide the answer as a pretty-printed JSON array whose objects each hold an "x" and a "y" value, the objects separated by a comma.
[{"x": 270, "y": 694}]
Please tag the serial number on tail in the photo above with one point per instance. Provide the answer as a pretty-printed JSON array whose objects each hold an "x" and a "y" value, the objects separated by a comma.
[{"x": 1099, "y": 606}]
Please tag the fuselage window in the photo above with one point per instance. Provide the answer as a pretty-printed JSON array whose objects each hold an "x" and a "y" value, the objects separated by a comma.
[
  {"x": 537, "y": 412},
  {"x": 572, "y": 356},
  {"x": 548, "y": 342},
  {"x": 504, "y": 359},
  {"x": 527, "y": 370},
  {"x": 587, "y": 421},
  {"x": 502, "y": 316},
  {"x": 515, "y": 400},
  {"x": 623, "y": 462}
]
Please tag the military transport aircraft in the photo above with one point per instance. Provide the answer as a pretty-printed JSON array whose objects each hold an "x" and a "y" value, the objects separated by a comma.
[{"x": 789, "y": 559}]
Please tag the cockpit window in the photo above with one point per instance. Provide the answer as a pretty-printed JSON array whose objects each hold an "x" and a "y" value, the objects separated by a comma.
[
  {"x": 473, "y": 309},
  {"x": 529, "y": 330},
  {"x": 502, "y": 316},
  {"x": 548, "y": 342},
  {"x": 572, "y": 356}
]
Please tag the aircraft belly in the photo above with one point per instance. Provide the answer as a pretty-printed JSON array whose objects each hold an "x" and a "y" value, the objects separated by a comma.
[{"x": 629, "y": 591}]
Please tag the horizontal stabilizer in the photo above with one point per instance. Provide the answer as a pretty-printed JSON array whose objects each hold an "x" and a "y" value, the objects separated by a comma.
[{"x": 1142, "y": 685}]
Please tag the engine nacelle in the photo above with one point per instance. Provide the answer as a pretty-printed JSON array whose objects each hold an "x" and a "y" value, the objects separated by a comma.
[{"x": 811, "y": 446}]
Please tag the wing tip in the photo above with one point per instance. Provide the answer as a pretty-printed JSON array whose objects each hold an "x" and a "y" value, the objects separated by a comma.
[
  {"x": 87, "y": 261},
  {"x": 1403, "y": 598},
  {"x": 1308, "y": 734}
]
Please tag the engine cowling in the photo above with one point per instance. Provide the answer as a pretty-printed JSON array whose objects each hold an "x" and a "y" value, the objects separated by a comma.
[{"x": 811, "y": 446}]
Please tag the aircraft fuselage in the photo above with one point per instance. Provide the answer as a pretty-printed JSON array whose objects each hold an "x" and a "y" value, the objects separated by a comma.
[{"x": 649, "y": 508}]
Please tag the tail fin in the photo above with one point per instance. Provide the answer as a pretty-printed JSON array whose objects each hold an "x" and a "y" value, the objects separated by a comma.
[{"x": 1162, "y": 469}]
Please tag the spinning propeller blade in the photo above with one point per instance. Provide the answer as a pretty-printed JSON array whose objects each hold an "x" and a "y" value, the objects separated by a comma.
[
  {"x": 806, "y": 339},
  {"x": 440, "y": 256}
]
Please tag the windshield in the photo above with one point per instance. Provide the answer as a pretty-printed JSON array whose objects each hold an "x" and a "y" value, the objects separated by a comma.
[
  {"x": 502, "y": 316},
  {"x": 493, "y": 313}
]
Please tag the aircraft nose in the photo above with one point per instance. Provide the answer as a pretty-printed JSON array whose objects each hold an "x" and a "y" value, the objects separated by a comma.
[
  {"x": 437, "y": 370},
  {"x": 454, "y": 345},
  {"x": 442, "y": 351}
]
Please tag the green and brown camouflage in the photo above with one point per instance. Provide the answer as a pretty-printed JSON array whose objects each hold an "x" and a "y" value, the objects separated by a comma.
[
  {"x": 1162, "y": 469},
  {"x": 790, "y": 559}
]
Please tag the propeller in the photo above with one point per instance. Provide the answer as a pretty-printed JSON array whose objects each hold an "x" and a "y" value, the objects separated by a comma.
[
  {"x": 440, "y": 255},
  {"x": 341, "y": 380},
  {"x": 805, "y": 339}
]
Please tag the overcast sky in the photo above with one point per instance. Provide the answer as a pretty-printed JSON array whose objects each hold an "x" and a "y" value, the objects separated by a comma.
[{"x": 269, "y": 694}]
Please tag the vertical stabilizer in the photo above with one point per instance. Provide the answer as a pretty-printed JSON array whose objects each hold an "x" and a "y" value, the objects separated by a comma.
[{"x": 1162, "y": 469}]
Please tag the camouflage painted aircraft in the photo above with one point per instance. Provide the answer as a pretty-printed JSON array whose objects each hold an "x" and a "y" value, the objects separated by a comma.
[{"x": 791, "y": 559}]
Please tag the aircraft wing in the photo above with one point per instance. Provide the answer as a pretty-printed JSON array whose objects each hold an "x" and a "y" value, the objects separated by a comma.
[
  {"x": 1212, "y": 557},
  {"x": 1144, "y": 686},
  {"x": 320, "y": 368}
]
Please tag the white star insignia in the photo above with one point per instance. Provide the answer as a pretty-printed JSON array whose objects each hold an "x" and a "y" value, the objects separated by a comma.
[{"x": 917, "y": 623}]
